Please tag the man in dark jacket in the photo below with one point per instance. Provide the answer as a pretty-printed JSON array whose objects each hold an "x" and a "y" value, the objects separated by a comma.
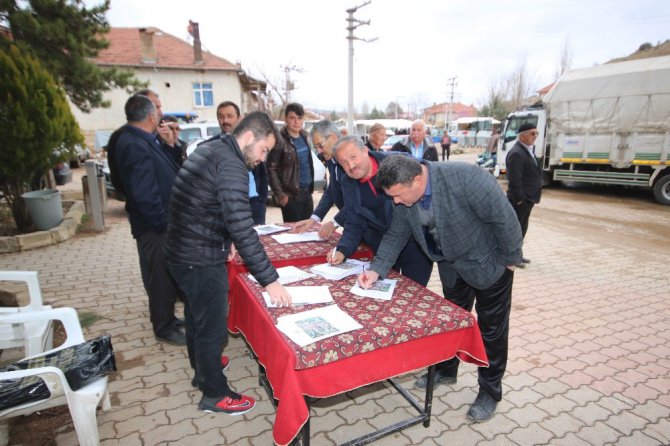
[
  {"x": 524, "y": 177},
  {"x": 416, "y": 144},
  {"x": 369, "y": 211},
  {"x": 324, "y": 136},
  {"x": 209, "y": 213},
  {"x": 144, "y": 172},
  {"x": 228, "y": 115},
  {"x": 290, "y": 168}
]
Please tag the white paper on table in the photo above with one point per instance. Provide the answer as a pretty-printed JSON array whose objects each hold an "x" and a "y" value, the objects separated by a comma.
[
  {"x": 270, "y": 229},
  {"x": 309, "y": 236},
  {"x": 289, "y": 274},
  {"x": 347, "y": 268},
  {"x": 304, "y": 295},
  {"x": 313, "y": 325},
  {"x": 381, "y": 289}
]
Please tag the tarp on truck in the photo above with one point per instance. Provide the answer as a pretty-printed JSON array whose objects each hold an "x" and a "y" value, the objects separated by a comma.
[{"x": 630, "y": 96}]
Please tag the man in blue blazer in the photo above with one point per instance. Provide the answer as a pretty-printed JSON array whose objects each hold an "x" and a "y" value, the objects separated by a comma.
[{"x": 461, "y": 219}]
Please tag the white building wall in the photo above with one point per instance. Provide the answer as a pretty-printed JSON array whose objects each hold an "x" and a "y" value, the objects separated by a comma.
[{"x": 176, "y": 92}]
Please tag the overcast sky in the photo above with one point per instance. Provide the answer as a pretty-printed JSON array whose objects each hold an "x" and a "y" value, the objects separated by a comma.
[{"x": 421, "y": 43}]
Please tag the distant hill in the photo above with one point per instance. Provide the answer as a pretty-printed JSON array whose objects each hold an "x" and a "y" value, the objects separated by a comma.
[{"x": 646, "y": 50}]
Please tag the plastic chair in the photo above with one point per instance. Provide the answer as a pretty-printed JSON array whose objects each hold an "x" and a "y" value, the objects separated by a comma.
[
  {"x": 83, "y": 402},
  {"x": 34, "y": 336}
]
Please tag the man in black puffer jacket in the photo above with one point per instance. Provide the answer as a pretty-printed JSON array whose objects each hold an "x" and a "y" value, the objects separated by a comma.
[{"x": 209, "y": 213}]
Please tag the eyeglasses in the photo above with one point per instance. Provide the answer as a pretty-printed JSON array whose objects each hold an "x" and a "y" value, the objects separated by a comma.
[{"x": 321, "y": 145}]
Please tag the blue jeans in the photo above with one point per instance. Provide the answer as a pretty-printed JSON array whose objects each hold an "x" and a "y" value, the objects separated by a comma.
[{"x": 205, "y": 294}]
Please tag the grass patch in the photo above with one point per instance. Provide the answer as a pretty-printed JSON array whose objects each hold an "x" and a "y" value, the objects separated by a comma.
[{"x": 86, "y": 319}]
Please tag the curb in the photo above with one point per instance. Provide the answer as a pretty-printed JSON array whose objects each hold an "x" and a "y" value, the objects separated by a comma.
[{"x": 64, "y": 231}]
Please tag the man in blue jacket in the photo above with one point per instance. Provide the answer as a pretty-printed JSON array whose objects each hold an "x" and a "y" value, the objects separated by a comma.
[
  {"x": 324, "y": 135},
  {"x": 145, "y": 172},
  {"x": 369, "y": 210}
]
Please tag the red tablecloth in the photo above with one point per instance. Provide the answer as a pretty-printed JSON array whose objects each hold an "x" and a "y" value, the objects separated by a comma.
[{"x": 414, "y": 330}]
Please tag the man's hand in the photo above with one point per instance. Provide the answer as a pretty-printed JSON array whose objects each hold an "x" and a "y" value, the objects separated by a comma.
[
  {"x": 367, "y": 278},
  {"x": 335, "y": 258},
  {"x": 283, "y": 200},
  {"x": 278, "y": 295},
  {"x": 511, "y": 267},
  {"x": 232, "y": 253},
  {"x": 303, "y": 226},
  {"x": 327, "y": 229},
  {"x": 166, "y": 135}
]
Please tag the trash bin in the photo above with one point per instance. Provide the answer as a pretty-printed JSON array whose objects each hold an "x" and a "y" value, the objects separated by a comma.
[{"x": 44, "y": 207}]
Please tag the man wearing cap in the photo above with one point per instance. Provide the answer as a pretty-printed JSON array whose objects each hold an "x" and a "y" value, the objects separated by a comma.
[{"x": 524, "y": 177}]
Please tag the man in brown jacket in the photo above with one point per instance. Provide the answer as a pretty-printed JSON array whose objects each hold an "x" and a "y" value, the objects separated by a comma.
[{"x": 290, "y": 168}]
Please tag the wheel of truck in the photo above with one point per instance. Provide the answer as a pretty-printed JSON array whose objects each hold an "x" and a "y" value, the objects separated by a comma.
[{"x": 662, "y": 189}]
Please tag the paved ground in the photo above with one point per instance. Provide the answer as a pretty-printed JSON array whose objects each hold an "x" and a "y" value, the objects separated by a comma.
[{"x": 589, "y": 354}]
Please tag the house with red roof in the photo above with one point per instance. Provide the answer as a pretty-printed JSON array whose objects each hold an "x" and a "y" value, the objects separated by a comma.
[
  {"x": 187, "y": 78},
  {"x": 438, "y": 114}
]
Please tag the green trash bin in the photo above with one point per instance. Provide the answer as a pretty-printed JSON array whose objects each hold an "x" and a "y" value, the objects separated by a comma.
[{"x": 44, "y": 207}]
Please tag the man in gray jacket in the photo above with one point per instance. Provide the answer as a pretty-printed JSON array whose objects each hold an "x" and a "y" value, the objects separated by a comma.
[
  {"x": 209, "y": 212},
  {"x": 461, "y": 219}
]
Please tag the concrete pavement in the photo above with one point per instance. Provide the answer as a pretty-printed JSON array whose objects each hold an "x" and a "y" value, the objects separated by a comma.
[{"x": 589, "y": 354}]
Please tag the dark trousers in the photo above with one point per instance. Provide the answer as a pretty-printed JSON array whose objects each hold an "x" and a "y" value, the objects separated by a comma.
[
  {"x": 446, "y": 148},
  {"x": 413, "y": 263},
  {"x": 298, "y": 208},
  {"x": 493, "y": 306},
  {"x": 160, "y": 288},
  {"x": 205, "y": 293},
  {"x": 523, "y": 214},
  {"x": 258, "y": 209}
]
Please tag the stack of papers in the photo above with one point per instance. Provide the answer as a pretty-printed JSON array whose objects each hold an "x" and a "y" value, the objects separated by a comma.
[
  {"x": 310, "y": 236},
  {"x": 313, "y": 325},
  {"x": 270, "y": 229},
  {"x": 289, "y": 274},
  {"x": 381, "y": 289},
  {"x": 347, "y": 268},
  {"x": 304, "y": 295}
]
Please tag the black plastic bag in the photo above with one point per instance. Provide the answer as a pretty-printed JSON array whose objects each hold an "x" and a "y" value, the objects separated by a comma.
[{"x": 81, "y": 364}]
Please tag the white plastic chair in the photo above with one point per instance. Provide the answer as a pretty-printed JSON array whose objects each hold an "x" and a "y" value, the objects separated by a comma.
[
  {"x": 83, "y": 402},
  {"x": 34, "y": 336}
]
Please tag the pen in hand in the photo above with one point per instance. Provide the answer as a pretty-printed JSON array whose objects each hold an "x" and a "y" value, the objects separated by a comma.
[{"x": 332, "y": 255}]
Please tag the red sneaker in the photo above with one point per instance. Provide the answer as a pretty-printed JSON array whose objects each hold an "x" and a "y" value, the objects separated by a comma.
[
  {"x": 225, "y": 362},
  {"x": 228, "y": 404}
]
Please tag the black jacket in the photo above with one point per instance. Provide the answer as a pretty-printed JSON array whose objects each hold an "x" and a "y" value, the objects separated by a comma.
[
  {"x": 429, "y": 150},
  {"x": 524, "y": 175},
  {"x": 210, "y": 209}
]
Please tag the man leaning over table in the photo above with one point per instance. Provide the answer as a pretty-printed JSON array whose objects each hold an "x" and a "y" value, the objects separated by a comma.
[
  {"x": 209, "y": 212},
  {"x": 369, "y": 211},
  {"x": 324, "y": 136},
  {"x": 462, "y": 220}
]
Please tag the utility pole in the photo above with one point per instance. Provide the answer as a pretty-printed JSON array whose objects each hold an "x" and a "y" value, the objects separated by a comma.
[
  {"x": 290, "y": 85},
  {"x": 352, "y": 25},
  {"x": 451, "y": 82}
]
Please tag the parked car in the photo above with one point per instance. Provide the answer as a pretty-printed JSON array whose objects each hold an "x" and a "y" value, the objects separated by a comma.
[
  {"x": 82, "y": 155},
  {"x": 62, "y": 173},
  {"x": 198, "y": 130},
  {"x": 391, "y": 140}
]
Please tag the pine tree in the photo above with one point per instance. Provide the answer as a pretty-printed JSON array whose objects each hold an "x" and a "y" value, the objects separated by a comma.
[
  {"x": 37, "y": 127},
  {"x": 66, "y": 36}
]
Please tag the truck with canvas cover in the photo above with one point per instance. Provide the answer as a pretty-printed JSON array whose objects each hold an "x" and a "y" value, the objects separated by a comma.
[{"x": 607, "y": 124}]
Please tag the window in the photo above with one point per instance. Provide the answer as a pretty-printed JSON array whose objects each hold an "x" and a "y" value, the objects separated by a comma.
[{"x": 203, "y": 96}]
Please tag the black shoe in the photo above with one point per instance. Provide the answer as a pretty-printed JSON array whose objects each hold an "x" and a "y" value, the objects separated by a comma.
[
  {"x": 525, "y": 260},
  {"x": 174, "y": 338},
  {"x": 483, "y": 407},
  {"x": 439, "y": 378},
  {"x": 521, "y": 265},
  {"x": 179, "y": 323}
]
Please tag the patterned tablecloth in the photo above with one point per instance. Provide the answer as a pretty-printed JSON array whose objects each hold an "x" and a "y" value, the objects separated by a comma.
[
  {"x": 413, "y": 313},
  {"x": 305, "y": 253},
  {"x": 415, "y": 329}
]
